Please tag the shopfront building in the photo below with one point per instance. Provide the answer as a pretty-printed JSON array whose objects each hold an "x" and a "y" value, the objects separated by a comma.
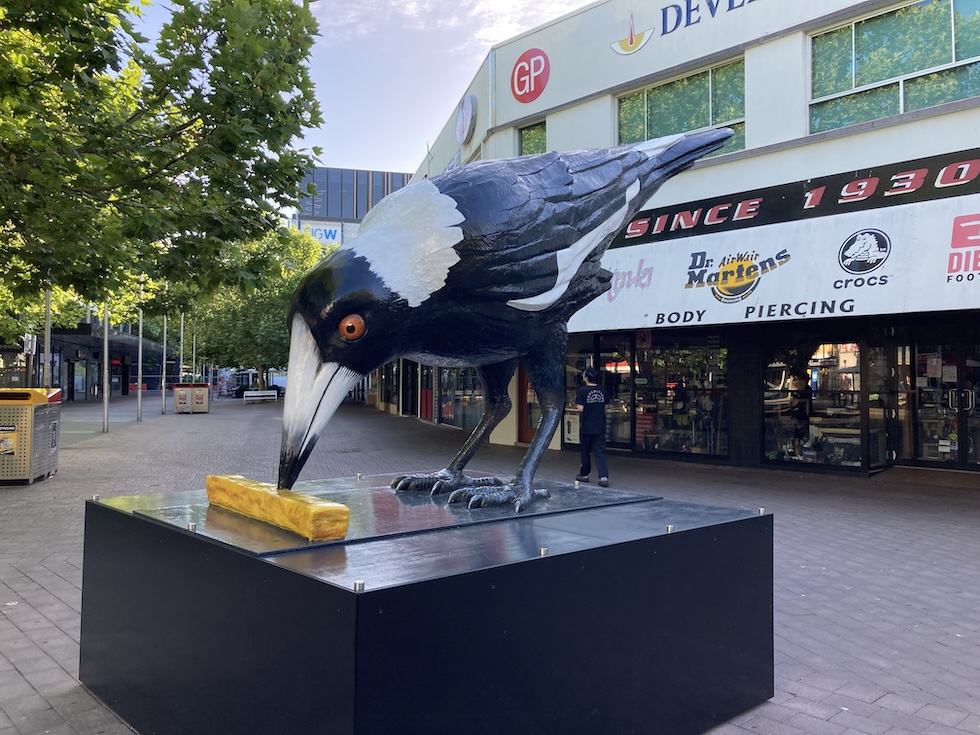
[
  {"x": 806, "y": 297},
  {"x": 752, "y": 395},
  {"x": 840, "y": 311}
]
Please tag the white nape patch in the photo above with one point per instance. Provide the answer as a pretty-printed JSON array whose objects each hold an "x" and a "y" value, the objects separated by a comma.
[
  {"x": 408, "y": 239},
  {"x": 656, "y": 146},
  {"x": 571, "y": 258}
]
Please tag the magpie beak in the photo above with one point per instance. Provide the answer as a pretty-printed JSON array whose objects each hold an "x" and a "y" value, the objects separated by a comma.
[{"x": 313, "y": 393}]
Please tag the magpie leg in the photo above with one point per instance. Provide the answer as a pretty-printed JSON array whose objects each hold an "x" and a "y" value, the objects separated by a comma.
[
  {"x": 545, "y": 365},
  {"x": 495, "y": 379}
]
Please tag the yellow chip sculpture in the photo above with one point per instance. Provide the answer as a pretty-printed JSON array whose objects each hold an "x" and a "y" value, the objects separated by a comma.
[{"x": 313, "y": 518}]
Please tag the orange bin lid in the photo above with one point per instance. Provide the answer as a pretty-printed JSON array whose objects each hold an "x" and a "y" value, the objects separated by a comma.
[{"x": 30, "y": 395}]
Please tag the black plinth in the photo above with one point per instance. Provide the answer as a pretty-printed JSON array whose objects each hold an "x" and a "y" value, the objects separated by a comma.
[{"x": 585, "y": 616}]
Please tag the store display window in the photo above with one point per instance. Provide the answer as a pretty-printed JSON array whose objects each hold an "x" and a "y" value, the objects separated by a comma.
[
  {"x": 681, "y": 398},
  {"x": 813, "y": 407},
  {"x": 460, "y": 397}
]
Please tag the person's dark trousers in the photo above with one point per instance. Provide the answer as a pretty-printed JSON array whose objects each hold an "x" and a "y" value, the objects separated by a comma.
[{"x": 593, "y": 444}]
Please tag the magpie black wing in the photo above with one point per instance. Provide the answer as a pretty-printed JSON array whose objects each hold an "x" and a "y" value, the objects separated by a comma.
[{"x": 535, "y": 227}]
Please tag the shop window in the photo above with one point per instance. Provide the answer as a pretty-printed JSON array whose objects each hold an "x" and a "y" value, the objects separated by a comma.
[
  {"x": 923, "y": 54},
  {"x": 533, "y": 139},
  {"x": 460, "y": 397},
  {"x": 813, "y": 407},
  {"x": 447, "y": 396},
  {"x": 711, "y": 98},
  {"x": 469, "y": 399},
  {"x": 681, "y": 398},
  {"x": 389, "y": 383}
]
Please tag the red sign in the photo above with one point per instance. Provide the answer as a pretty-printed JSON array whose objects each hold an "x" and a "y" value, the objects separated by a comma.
[
  {"x": 966, "y": 231},
  {"x": 966, "y": 234},
  {"x": 530, "y": 75}
]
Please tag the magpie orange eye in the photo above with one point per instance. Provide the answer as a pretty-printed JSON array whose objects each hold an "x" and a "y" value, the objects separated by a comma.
[{"x": 352, "y": 327}]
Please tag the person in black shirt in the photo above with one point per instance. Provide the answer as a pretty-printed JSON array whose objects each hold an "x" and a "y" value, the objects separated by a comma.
[{"x": 590, "y": 402}]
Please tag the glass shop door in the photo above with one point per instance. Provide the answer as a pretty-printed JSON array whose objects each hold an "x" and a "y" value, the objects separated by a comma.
[
  {"x": 947, "y": 416},
  {"x": 616, "y": 367}
]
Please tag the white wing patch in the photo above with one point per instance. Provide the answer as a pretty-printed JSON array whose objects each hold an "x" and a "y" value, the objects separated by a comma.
[
  {"x": 656, "y": 146},
  {"x": 571, "y": 258},
  {"x": 408, "y": 238}
]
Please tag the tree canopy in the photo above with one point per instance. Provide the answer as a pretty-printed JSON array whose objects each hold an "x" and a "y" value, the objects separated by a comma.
[
  {"x": 122, "y": 162},
  {"x": 247, "y": 328}
]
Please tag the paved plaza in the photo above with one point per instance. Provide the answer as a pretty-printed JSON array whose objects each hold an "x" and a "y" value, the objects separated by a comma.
[{"x": 876, "y": 589}]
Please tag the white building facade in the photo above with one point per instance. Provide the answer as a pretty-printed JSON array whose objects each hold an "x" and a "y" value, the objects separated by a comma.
[{"x": 808, "y": 295}]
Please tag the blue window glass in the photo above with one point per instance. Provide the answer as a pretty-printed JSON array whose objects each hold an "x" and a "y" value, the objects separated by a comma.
[
  {"x": 362, "y": 194},
  {"x": 333, "y": 192},
  {"x": 305, "y": 199},
  {"x": 320, "y": 198},
  {"x": 347, "y": 194}
]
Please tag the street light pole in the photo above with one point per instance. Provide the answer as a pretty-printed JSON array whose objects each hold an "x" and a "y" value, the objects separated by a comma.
[
  {"x": 139, "y": 364},
  {"x": 180, "y": 370},
  {"x": 46, "y": 375},
  {"x": 163, "y": 370},
  {"x": 105, "y": 366}
]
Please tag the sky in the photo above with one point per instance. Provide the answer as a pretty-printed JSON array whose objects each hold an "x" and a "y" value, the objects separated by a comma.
[{"x": 390, "y": 73}]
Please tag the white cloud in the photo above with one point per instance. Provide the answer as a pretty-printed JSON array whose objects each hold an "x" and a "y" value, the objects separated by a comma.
[{"x": 481, "y": 23}]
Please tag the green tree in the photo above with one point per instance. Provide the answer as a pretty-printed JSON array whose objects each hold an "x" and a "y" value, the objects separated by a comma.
[
  {"x": 247, "y": 328},
  {"x": 120, "y": 161},
  {"x": 22, "y": 315}
]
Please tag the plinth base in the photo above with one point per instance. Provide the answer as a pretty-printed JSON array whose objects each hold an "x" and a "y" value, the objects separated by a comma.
[{"x": 585, "y": 616}]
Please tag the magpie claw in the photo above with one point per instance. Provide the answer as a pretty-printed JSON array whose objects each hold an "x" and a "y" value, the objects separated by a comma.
[
  {"x": 429, "y": 482},
  {"x": 441, "y": 482},
  {"x": 484, "y": 497}
]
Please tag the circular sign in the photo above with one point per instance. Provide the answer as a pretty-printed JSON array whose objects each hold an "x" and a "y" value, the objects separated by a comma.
[
  {"x": 742, "y": 286},
  {"x": 864, "y": 251},
  {"x": 530, "y": 75},
  {"x": 466, "y": 119}
]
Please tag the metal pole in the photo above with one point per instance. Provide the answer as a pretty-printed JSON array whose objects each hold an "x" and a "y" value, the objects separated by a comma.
[
  {"x": 163, "y": 370},
  {"x": 194, "y": 357},
  {"x": 46, "y": 376},
  {"x": 29, "y": 364},
  {"x": 139, "y": 367},
  {"x": 105, "y": 366},
  {"x": 180, "y": 370}
]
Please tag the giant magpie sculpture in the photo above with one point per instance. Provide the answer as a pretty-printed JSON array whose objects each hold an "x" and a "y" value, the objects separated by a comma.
[{"x": 480, "y": 266}]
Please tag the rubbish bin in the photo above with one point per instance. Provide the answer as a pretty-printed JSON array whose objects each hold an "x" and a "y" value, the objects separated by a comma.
[
  {"x": 29, "y": 425},
  {"x": 191, "y": 397},
  {"x": 182, "y": 398},
  {"x": 202, "y": 394}
]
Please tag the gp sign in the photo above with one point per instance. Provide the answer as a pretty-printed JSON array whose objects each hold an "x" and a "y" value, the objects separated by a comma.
[{"x": 530, "y": 75}]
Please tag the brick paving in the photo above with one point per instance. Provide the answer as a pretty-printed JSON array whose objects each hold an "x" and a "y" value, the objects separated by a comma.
[{"x": 876, "y": 590}]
